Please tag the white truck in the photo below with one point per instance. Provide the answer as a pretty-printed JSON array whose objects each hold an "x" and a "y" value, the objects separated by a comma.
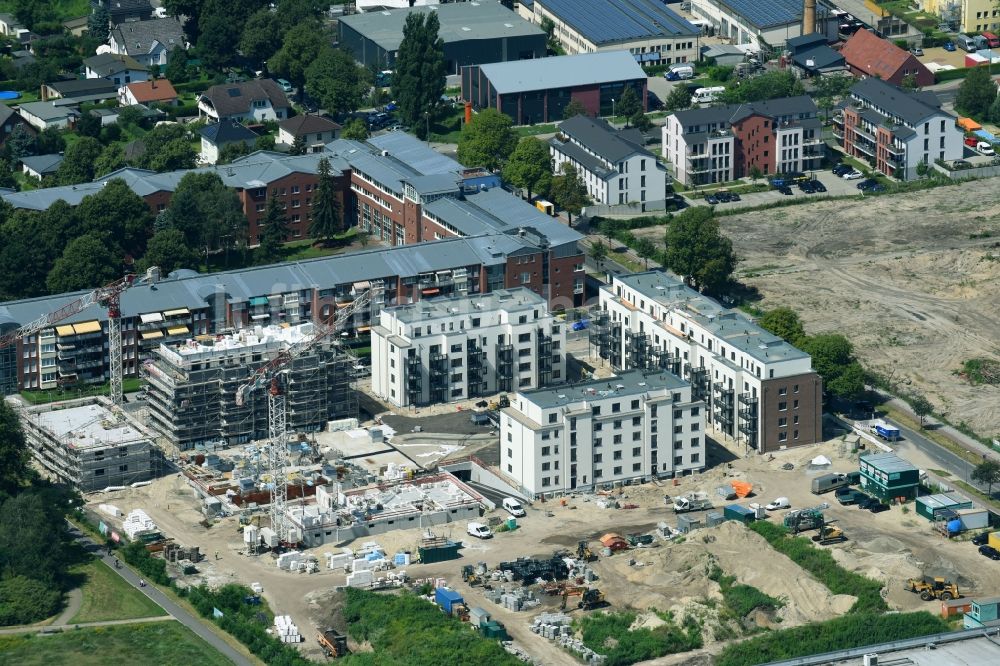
[
  {"x": 692, "y": 502},
  {"x": 479, "y": 530}
]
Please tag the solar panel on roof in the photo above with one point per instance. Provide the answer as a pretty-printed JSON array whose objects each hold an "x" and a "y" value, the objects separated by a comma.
[
  {"x": 603, "y": 21},
  {"x": 766, "y": 14}
]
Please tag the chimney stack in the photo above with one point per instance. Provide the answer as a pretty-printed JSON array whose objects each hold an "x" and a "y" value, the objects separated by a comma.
[{"x": 808, "y": 17}]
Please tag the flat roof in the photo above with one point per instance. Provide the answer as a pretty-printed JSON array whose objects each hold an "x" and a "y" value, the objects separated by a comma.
[
  {"x": 609, "y": 21},
  {"x": 627, "y": 384},
  {"x": 86, "y": 426},
  {"x": 460, "y": 21},
  {"x": 567, "y": 71},
  {"x": 943, "y": 500},
  {"x": 972, "y": 647},
  {"x": 889, "y": 463},
  {"x": 511, "y": 300}
]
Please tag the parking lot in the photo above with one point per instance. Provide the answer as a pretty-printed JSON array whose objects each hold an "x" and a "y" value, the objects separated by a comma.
[{"x": 835, "y": 187}]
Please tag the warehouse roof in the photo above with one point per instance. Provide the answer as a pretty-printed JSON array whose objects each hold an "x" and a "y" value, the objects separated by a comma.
[
  {"x": 460, "y": 21},
  {"x": 562, "y": 71},
  {"x": 609, "y": 21},
  {"x": 765, "y": 14}
]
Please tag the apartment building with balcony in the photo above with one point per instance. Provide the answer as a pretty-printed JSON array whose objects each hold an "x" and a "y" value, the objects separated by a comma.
[
  {"x": 451, "y": 349},
  {"x": 630, "y": 428},
  {"x": 757, "y": 388},
  {"x": 723, "y": 143},
  {"x": 191, "y": 394},
  {"x": 895, "y": 130},
  {"x": 613, "y": 164}
]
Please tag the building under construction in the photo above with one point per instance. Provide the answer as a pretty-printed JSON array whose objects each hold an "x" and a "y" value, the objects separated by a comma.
[
  {"x": 85, "y": 444},
  {"x": 191, "y": 394}
]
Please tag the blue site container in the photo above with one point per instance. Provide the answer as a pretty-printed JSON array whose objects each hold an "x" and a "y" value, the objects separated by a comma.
[{"x": 447, "y": 599}]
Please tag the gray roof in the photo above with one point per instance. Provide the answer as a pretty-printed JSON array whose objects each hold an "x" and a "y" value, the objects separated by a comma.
[
  {"x": 42, "y": 164},
  {"x": 78, "y": 87},
  {"x": 731, "y": 325},
  {"x": 889, "y": 463},
  {"x": 822, "y": 57},
  {"x": 307, "y": 124},
  {"x": 772, "y": 108},
  {"x": 511, "y": 300},
  {"x": 5, "y": 113},
  {"x": 597, "y": 136},
  {"x": 589, "y": 162},
  {"x": 439, "y": 183},
  {"x": 138, "y": 37},
  {"x": 910, "y": 108},
  {"x": 812, "y": 39},
  {"x": 414, "y": 153},
  {"x": 232, "y": 98},
  {"x": 612, "y": 21},
  {"x": 107, "y": 64},
  {"x": 227, "y": 131},
  {"x": 461, "y": 21},
  {"x": 46, "y": 110},
  {"x": 627, "y": 384},
  {"x": 241, "y": 285},
  {"x": 562, "y": 71}
]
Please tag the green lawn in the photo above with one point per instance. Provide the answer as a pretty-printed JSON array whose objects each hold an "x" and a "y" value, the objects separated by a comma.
[
  {"x": 106, "y": 596},
  {"x": 162, "y": 643},
  {"x": 129, "y": 385},
  {"x": 532, "y": 130}
]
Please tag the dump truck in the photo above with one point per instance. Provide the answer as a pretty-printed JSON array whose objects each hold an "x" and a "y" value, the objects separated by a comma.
[
  {"x": 333, "y": 644},
  {"x": 933, "y": 588},
  {"x": 589, "y": 597},
  {"x": 830, "y": 534},
  {"x": 692, "y": 502}
]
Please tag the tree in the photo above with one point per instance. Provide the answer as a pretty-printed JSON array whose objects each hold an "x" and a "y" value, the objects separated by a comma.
[
  {"x": 629, "y": 103},
  {"x": 828, "y": 89},
  {"x": 24, "y": 600},
  {"x": 568, "y": 191},
  {"x": 176, "y": 70},
  {"x": 770, "y": 85},
  {"x": 755, "y": 173},
  {"x": 264, "y": 142},
  {"x": 118, "y": 216},
  {"x": 220, "y": 25},
  {"x": 169, "y": 250},
  {"x": 552, "y": 44},
  {"x": 86, "y": 263},
  {"x": 298, "y": 146},
  {"x": 261, "y": 35},
  {"x": 599, "y": 252},
  {"x": 300, "y": 46},
  {"x": 640, "y": 121},
  {"x": 168, "y": 148},
  {"x": 293, "y": 12},
  {"x": 529, "y": 166},
  {"x": 89, "y": 125},
  {"x": 233, "y": 151},
  {"x": 987, "y": 472},
  {"x": 909, "y": 82},
  {"x": 21, "y": 142},
  {"x": 488, "y": 140},
  {"x": 678, "y": 99},
  {"x": 977, "y": 93},
  {"x": 356, "y": 129},
  {"x": 78, "y": 164},
  {"x": 785, "y": 323},
  {"x": 697, "y": 250},
  {"x": 336, "y": 81},
  {"x": 15, "y": 458},
  {"x": 273, "y": 234},
  {"x": 573, "y": 109},
  {"x": 833, "y": 358},
  {"x": 921, "y": 406},
  {"x": 49, "y": 142},
  {"x": 646, "y": 249},
  {"x": 99, "y": 23},
  {"x": 995, "y": 110},
  {"x": 208, "y": 213},
  {"x": 326, "y": 220},
  {"x": 111, "y": 159},
  {"x": 419, "y": 78}
]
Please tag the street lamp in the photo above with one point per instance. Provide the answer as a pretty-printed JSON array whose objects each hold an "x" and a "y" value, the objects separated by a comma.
[{"x": 612, "y": 109}]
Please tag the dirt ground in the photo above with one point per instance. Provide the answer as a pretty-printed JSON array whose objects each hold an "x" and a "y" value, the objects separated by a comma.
[
  {"x": 890, "y": 546},
  {"x": 912, "y": 280}
]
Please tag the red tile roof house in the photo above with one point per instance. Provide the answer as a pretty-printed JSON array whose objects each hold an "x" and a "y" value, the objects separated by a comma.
[
  {"x": 148, "y": 92},
  {"x": 869, "y": 55}
]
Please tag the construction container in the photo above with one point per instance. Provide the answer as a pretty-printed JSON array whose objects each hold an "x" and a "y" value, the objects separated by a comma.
[
  {"x": 713, "y": 518},
  {"x": 930, "y": 506},
  {"x": 269, "y": 537},
  {"x": 447, "y": 599},
  {"x": 512, "y": 523},
  {"x": 954, "y": 607},
  {"x": 478, "y": 617},
  {"x": 448, "y": 551},
  {"x": 726, "y": 492},
  {"x": 494, "y": 629},
  {"x": 740, "y": 513},
  {"x": 687, "y": 523},
  {"x": 994, "y": 540},
  {"x": 974, "y": 519}
]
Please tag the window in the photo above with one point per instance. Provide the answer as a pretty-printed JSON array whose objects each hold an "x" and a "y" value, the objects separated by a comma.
[
  {"x": 695, "y": 457},
  {"x": 782, "y": 422},
  {"x": 635, "y": 404},
  {"x": 636, "y": 436},
  {"x": 456, "y": 349},
  {"x": 616, "y": 407},
  {"x": 678, "y": 413},
  {"x": 546, "y": 481},
  {"x": 510, "y": 453},
  {"x": 618, "y": 439},
  {"x": 782, "y": 406},
  {"x": 595, "y": 411},
  {"x": 795, "y": 419},
  {"x": 783, "y": 391},
  {"x": 795, "y": 404},
  {"x": 695, "y": 427},
  {"x": 637, "y": 420},
  {"x": 678, "y": 428},
  {"x": 617, "y": 470},
  {"x": 636, "y": 451},
  {"x": 598, "y": 427},
  {"x": 546, "y": 466},
  {"x": 783, "y": 436},
  {"x": 636, "y": 467},
  {"x": 695, "y": 442},
  {"x": 598, "y": 457},
  {"x": 618, "y": 425},
  {"x": 795, "y": 388},
  {"x": 617, "y": 455},
  {"x": 546, "y": 450}
]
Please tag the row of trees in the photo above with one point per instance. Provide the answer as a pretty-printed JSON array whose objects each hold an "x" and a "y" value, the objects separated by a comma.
[{"x": 977, "y": 95}]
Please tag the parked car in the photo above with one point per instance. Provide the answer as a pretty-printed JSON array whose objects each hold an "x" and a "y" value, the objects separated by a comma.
[
  {"x": 981, "y": 539},
  {"x": 784, "y": 189},
  {"x": 580, "y": 325},
  {"x": 818, "y": 186},
  {"x": 809, "y": 186},
  {"x": 985, "y": 148},
  {"x": 990, "y": 552},
  {"x": 711, "y": 199},
  {"x": 878, "y": 507},
  {"x": 285, "y": 85},
  {"x": 863, "y": 501},
  {"x": 917, "y": 51},
  {"x": 853, "y": 174},
  {"x": 845, "y": 496},
  {"x": 780, "y": 503},
  {"x": 948, "y": 46},
  {"x": 871, "y": 185},
  {"x": 479, "y": 530},
  {"x": 841, "y": 169}
]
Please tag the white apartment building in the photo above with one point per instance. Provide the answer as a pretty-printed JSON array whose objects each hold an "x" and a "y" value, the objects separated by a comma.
[
  {"x": 758, "y": 389},
  {"x": 629, "y": 428},
  {"x": 450, "y": 349},
  {"x": 720, "y": 144},
  {"x": 613, "y": 164}
]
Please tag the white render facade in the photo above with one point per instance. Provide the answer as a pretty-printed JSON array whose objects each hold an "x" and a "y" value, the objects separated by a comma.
[
  {"x": 629, "y": 428},
  {"x": 450, "y": 349},
  {"x": 758, "y": 389}
]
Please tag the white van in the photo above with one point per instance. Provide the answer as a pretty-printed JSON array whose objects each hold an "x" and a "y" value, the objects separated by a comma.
[
  {"x": 707, "y": 95},
  {"x": 479, "y": 530},
  {"x": 780, "y": 503},
  {"x": 679, "y": 73},
  {"x": 513, "y": 507}
]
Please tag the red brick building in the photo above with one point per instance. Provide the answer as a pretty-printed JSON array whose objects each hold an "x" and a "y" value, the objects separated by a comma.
[{"x": 868, "y": 55}]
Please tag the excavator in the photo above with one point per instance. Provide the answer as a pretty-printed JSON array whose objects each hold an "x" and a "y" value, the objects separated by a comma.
[
  {"x": 829, "y": 534},
  {"x": 470, "y": 577},
  {"x": 933, "y": 588},
  {"x": 589, "y": 597},
  {"x": 583, "y": 552}
]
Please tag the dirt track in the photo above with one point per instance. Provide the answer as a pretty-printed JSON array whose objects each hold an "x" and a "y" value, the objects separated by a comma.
[{"x": 911, "y": 279}]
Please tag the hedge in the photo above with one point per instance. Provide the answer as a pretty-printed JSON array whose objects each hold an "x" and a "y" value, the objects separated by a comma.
[{"x": 950, "y": 74}]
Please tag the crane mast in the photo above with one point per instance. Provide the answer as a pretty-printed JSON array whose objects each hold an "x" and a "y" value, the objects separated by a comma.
[{"x": 269, "y": 374}]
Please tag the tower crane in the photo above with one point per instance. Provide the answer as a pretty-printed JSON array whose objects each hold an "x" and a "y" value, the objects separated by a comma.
[
  {"x": 268, "y": 374},
  {"x": 108, "y": 296}
]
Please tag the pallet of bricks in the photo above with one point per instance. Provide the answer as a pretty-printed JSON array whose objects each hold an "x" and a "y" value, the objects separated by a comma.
[{"x": 286, "y": 630}]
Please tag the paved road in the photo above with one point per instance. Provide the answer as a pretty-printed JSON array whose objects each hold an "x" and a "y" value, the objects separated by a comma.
[{"x": 184, "y": 617}]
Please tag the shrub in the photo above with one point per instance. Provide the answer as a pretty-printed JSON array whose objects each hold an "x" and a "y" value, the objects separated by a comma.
[
  {"x": 153, "y": 568},
  {"x": 24, "y": 600},
  {"x": 630, "y": 646},
  {"x": 739, "y": 598}
]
